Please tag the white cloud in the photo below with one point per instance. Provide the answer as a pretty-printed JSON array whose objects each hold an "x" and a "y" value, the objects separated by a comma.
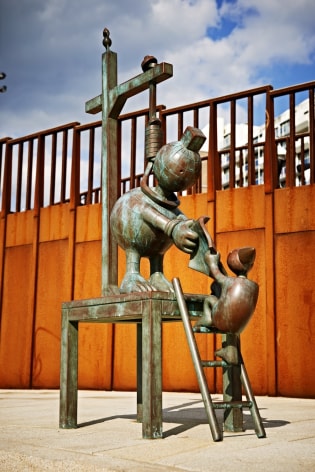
[
  {"x": 270, "y": 30},
  {"x": 51, "y": 51}
]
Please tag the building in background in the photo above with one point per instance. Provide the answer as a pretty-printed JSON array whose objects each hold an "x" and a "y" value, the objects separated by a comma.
[{"x": 282, "y": 133}]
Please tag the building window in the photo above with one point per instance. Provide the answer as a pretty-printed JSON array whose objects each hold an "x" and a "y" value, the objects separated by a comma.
[{"x": 285, "y": 128}]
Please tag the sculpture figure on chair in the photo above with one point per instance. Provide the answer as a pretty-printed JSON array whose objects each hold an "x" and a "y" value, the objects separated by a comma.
[{"x": 146, "y": 221}]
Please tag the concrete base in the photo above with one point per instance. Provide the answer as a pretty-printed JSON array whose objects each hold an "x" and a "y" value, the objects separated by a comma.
[{"x": 108, "y": 437}]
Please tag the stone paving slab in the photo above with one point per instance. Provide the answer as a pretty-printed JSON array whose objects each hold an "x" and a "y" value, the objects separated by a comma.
[{"x": 110, "y": 439}]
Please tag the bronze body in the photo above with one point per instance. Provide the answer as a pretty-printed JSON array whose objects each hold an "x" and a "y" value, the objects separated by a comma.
[
  {"x": 147, "y": 221},
  {"x": 233, "y": 299}
]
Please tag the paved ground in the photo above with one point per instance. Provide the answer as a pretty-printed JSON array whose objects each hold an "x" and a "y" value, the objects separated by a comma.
[{"x": 110, "y": 439}]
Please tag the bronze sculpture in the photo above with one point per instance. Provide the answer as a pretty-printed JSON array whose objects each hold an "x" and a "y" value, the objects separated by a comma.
[
  {"x": 231, "y": 310},
  {"x": 147, "y": 221}
]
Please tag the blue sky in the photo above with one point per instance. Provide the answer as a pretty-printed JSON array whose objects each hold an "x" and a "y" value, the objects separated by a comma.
[{"x": 51, "y": 52}]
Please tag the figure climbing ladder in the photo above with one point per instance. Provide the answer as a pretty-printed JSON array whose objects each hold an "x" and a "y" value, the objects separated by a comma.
[{"x": 199, "y": 365}]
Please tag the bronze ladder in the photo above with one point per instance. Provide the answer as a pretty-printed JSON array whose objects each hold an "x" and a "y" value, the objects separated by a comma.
[{"x": 199, "y": 366}]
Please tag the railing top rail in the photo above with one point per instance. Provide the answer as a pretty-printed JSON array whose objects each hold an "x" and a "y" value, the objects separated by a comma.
[
  {"x": 86, "y": 126},
  {"x": 45, "y": 132},
  {"x": 123, "y": 117},
  {"x": 243, "y": 94},
  {"x": 293, "y": 89},
  {"x": 191, "y": 106},
  {"x": 138, "y": 113},
  {"x": 217, "y": 100},
  {"x": 245, "y": 146}
]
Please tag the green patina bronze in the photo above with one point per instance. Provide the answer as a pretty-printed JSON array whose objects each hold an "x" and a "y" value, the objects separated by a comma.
[
  {"x": 145, "y": 222},
  {"x": 110, "y": 103}
]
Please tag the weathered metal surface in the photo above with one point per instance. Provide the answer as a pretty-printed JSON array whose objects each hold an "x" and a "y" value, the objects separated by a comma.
[
  {"x": 111, "y": 102},
  {"x": 68, "y": 406},
  {"x": 232, "y": 385},
  {"x": 259, "y": 427},
  {"x": 146, "y": 310},
  {"x": 155, "y": 307},
  {"x": 235, "y": 377},
  {"x": 213, "y": 422},
  {"x": 147, "y": 221},
  {"x": 233, "y": 308},
  {"x": 138, "y": 84},
  {"x": 227, "y": 310},
  {"x": 232, "y": 301}
]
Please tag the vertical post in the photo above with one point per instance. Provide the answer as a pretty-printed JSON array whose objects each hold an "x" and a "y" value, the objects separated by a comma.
[
  {"x": 232, "y": 387},
  {"x": 68, "y": 372},
  {"x": 111, "y": 102},
  {"x": 232, "y": 144},
  {"x": 312, "y": 136},
  {"x": 139, "y": 373},
  {"x": 270, "y": 159},
  {"x": 271, "y": 182},
  {"x": 290, "y": 160},
  {"x": 152, "y": 426},
  {"x": 251, "y": 154},
  {"x": 109, "y": 166},
  {"x": 214, "y": 164},
  {"x": 4, "y": 211},
  {"x": 38, "y": 204}
]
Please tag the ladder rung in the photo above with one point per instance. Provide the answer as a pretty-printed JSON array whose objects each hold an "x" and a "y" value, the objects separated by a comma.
[
  {"x": 232, "y": 404},
  {"x": 215, "y": 364}
]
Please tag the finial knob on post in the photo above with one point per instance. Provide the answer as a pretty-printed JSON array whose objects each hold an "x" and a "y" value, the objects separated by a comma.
[
  {"x": 107, "y": 42},
  {"x": 148, "y": 62}
]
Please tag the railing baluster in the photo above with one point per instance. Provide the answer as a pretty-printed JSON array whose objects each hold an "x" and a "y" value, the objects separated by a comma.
[
  {"x": 312, "y": 135},
  {"x": 250, "y": 152},
  {"x": 133, "y": 151},
  {"x": 232, "y": 144},
  {"x": 53, "y": 169},
  {"x": 63, "y": 184},
  {"x": 29, "y": 174},
  {"x": 91, "y": 165},
  {"x": 19, "y": 178},
  {"x": 290, "y": 164}
]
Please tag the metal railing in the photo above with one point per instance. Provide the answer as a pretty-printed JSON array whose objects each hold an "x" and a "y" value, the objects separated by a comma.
[
  {"x": 34, "y": 168},
  {"x": 296, "y": 161},
  {"x": 47, "y": 168}
]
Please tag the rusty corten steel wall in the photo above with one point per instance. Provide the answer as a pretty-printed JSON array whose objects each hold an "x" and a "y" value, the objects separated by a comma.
[
  {"x": 276, "y": 344},
  {"x": 51, "y": 252}
]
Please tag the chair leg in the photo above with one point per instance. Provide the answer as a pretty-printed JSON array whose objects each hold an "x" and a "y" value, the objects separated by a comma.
[
  {"x": 68, "y": 373},
  {"x": 139, "y": 373}
]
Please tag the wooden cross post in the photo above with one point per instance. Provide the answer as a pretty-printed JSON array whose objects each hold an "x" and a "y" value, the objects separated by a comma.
[{"x": 110, "y": 103}]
